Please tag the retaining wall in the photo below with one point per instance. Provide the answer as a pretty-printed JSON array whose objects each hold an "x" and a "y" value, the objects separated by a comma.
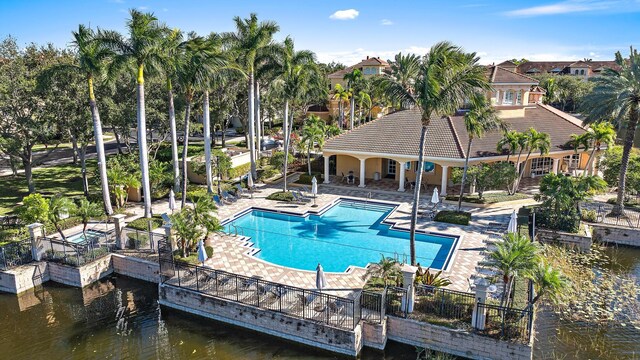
[
  {"x": 83, "y": 275},
  {"x": 265, "y": 321},
  {"x": 454, "y": 341},
  {"x": 619, "y": 235},
  {"x": 580, "y": 241},
  {"x": 136, "y": 268},
  {"x": 21, "y": 278}
]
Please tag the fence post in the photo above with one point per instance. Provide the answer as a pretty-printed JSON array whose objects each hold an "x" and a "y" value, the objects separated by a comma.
[
  {"x": 167, "y": 233},
  {"x": 408, "y": 278},
  {"x": 36, "y": 232},
  {"x": 119, "y": 224},
  {"x": 480, "y": 313}
]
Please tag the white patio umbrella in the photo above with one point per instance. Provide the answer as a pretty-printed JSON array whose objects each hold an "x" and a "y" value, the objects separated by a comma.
[
  {"x": 435, "y": 198},
  {"x": 314, "y": 190},
  {"x": 202, "y": 253},
  {"x": 513, "y": 223},
  {"x": 172, "y": 200},
  {"x": 321, "y": 281}
]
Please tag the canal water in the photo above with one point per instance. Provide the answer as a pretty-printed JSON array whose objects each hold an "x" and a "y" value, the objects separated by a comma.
[{"x": 119, "y": 318}]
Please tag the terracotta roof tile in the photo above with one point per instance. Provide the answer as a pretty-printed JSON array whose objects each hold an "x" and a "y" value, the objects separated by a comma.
[{"x": 497, "y": 75}]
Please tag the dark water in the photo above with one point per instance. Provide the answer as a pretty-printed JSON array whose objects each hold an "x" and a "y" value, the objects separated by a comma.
[
  {"x": 119, "y": 318},
  {"x": 557, "y": 339}
]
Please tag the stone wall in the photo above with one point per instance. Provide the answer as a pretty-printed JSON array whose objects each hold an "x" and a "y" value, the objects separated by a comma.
[
  {"x": 580, "y": 241},
  {"x": 453, "y": 341},
  {"x": 22, "y": 278},
  {"x": 374, "y": 335},
  {"x": 136, "y": 268},
  {"x": 616, "y": 235},
  {"x": 265, "y": 321},
  {"x": 83, "y": 275}
]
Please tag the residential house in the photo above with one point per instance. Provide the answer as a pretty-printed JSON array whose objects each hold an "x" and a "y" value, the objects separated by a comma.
[
  {"x": 582, "y": 68},
  {"x": 387, "y": 148}
]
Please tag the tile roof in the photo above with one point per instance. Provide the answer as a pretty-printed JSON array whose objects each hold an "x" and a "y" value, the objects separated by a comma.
[
  {"x": 563, "y": 66},
  {"x": 372, "y": 61},
  {"x": 399, "y": 134},
  {"x": 499, "y": 75}
]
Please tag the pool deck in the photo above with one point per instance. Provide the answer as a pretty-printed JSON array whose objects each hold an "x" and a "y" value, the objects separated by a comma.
[{"x": 230, "y": 254}]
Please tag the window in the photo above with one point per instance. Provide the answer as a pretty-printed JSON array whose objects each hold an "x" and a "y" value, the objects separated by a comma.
[
  {"x": 429, "y": 167},
  {"x": 541, "y": 166},
  {"x": 407, "y": 165},
  {"x": 572, "y": 161},
  {"x": 508, "y": 98},
  {"x": 582, "y": 72},
  {"x": 519, "y": 98},
  {"x": 576, "y": 72}
]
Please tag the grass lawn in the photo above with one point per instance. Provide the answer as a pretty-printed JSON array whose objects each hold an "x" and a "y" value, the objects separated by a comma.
[
  {"x": 65, "y": 179},
  {"x": 489, "y": 198}
]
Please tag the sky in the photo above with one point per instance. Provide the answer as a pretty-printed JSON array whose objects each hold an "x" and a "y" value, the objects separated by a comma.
[{"x": 348, "y": 31}]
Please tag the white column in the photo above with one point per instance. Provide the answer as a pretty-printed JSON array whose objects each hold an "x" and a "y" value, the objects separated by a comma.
[
  {"x": 326, "y": 170},
  {"x": 362, "y": 161},
  {"x": 119, "y": 224},
  {"x": 408, "y": 277},
  {"x": 36, "y": 232},
  {"x": 479, "y": 315},
  {"x": 556, "y": 164},
  {"x": 400, "y": 167},
  {"x": 445, "y": 179}
]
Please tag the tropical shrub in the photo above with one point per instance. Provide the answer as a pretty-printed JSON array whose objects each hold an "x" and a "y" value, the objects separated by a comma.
[
  {"x": 589, "y": 215},
  {"x": 425, "y": 277},
  {"x": 35, "y": 208},
  {"x": 281, "y": 196},
  {"x": 277, "y": 160},
  {"x": 209, "y": 250},
  {"x": 453, "y": 217},
  {"x": 493, "y": 176},
  {"x": 143, "y": 223},
  {"x": 239, "y": 171},
  {"x": 387, "y": 270},
  {"x": 307, "y": 179}
]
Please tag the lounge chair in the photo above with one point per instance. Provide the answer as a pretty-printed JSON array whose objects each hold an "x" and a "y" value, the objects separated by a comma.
[
  {"x": 303, "y": 197},
  {"x": 240, "y": 191},
  {"x": 298, "y": 199},
  {"x": 165, "y": 218},
  {"x": 217, "y": 200},
  {"x": 228, "y": 197}
]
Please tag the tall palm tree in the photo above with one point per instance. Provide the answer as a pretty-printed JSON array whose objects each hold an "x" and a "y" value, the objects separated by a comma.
[
  {"x": 616, "y": 95},
  {"x": 252, "y": 39},
  {"x": 580, "y": 141},
  {"x": 510, "y": 140},
  {"x": 313, "y": 135},
  {"x": 143, "y": 50},
  {"x": 601, "y": 133},
  {"x": 352, "y": 78},
  {"x": 86, "y": 211},
  {"x": 547, "y": 282},
  {"x": 446, "y": 77},
  {"x": 364, "y": 102},
  {"x": 404, "y": 70},
  {"x": 92, "y": 59},
  {"x": 341, "y": 94},
  {"x": 482, "y": 117},
  {"x": 535, "y": 141},
  {"x": 513, "y": 256}
]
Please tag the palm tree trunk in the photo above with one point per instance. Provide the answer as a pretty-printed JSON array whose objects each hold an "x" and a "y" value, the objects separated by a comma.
[
  {"x": 74, "y": 147},
  {"x": 626, "y": 151},
  {"x": 522, "y": 171},
  {"x": 224, "y": 129},
  {"x": 285, "y": 126},
  {"x": 257, "y": 119},
  {"x": 207, "y": 140},
  {"x": 83, "y": 170},
  {"x": 250, "y": 124},
  {"x": 351, "y": 111},
  {"x": 102, "y": 161},
  {"x": 341, "y": 114},
  {"x": 309, "y": 156},
  {"x": 517, "y": 167},
  {"x": 185, "y": 180},
  {"x": 591, "y": 157},
  {"x": 118, "y": 143},
  {"x": 142, "y": 144},
  {"x": 464, "y": 173},
  {"x": 416, "y": 196},
  {"x": 174, "y": 140}
]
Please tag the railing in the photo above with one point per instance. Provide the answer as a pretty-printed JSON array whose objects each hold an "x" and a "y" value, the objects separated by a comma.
[
  {"x": 141, "y": 240},
  {"x": 301, "y": 303},
  {"x": 371, "y": 306},
  {"x": 15, "y": 254},
  {"x": 628, "y": 218},
  {"x": 80, "y": 253},
  {"x": 444, "y": 303},
  {"x": 394, "y": 300},
  {"x": 504, "y": 323}
]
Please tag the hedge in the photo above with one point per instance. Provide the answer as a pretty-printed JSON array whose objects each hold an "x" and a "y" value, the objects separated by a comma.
[
  {"x": 306, "y": 178},
  {"x": 142, "y": 223},
  {"x": 453, "y": 217},
  {"x": 281, "y": 196},
  {"x": 239, "y": 170}
]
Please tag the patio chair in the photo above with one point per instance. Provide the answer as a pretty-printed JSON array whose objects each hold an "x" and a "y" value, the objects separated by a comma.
[
  {"x": 217, "y": 200},
  {"x": 165, "y": 218},
  {"x": 240, "y": 191},
  {"x": 303, "y": 197},
  {"x": 343, "y": 178},
  {"x": 298, "y": 199},
  {"x": 228, "y": 197},
  {"x": 351, "y": 179}
]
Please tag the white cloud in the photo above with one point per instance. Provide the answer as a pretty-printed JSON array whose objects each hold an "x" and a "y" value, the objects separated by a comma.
[
  {"x": 348, "y": 14},
  {"x": 386, "y": 22},
  {"x": 576, "y": 6},
  {"x": 143, "y": 7}
]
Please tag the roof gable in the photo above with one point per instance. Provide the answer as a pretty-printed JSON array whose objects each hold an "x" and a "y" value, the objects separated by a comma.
[{"x": 498, "y": 75}]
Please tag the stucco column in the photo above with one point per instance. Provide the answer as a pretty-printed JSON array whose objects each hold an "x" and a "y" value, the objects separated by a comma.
[
  {"x": 408, "y": 277},
  {"x": 170, "y": 239},
  {"x": 119, "y": 224},
  {"x": 478, "y": 318},
  {"x": 402, "y": 175},
  {"x": 445, "y": 179},
  {"x": 326, "y": 170},
  {"x": 362, "y": 161},
  {"x": 556, "y": 165},
  {"x": 36, "y": 232}
]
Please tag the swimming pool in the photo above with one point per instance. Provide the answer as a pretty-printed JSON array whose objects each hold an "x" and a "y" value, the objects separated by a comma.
[
  {"x": 79, "y": 237},
  {"x": 349, "y": 233}
]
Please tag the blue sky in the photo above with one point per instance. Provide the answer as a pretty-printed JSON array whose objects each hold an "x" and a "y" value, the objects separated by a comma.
[{"x": 347, "y": 31}]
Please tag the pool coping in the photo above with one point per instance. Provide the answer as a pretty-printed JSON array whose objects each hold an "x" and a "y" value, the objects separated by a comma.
[{"x": 251, "y": 250}]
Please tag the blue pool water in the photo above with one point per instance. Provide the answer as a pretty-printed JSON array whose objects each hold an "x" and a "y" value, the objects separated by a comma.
[
  {"x": 79, "y": 238},
  {"x": 349, "y": 233}
]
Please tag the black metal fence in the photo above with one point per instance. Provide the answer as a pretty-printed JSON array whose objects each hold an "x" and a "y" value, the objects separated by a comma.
[
  {"x": 504, "y": 323},
  {"x": 371, "y": 306},
  {"x": 301, "y": 303},
  {"x": 92, "y": 247},
  {"x": 628, "y": 218},
  {"x": 141, "y": 240},
  {"x": 395, "y": 298},
  {"x": 15, "y": 253},
  {"x": 444, "y": 303}
]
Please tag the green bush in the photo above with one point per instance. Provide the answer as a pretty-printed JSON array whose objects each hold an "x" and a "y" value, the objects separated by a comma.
[
  {"x": 142, "y": 223},
  {"x": 489, "y": 198},
  {"x": 164, "y": 154},
  {"x": 589, "y": 215},
  {"x": 240, "y": 130},
  {"x": 209, "y": 251},
  {"x": 239, "y": 170},
  {"x": 306, "y": 178},
  {"x": 194, "y": 193},
  {"x": 281, "y": 196},
  {"x": 453, "y": 217},
  {"x": 267, "y": 173}
]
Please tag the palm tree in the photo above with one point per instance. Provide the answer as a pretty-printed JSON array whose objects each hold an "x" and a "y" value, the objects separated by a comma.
[
  {"x": 86, "y": 211},
  {"x": 364, "y": 101},
  {"x": 251, "y": 40},
  {"x": 446, "y": 77},
  {"x": 143, "y": 49},
  {"x": 404, "y": 70},
  {"x": 202, "y": 215},
  {"x": 59, "y": 208},
  {"x": 581, "y": 141},
  {"x": 386, "y": 269},
  {"x": 601, "y": 133},
  {"x": 616, "y": 95},
  {"x": 515, "y": 255},
  {"x": 186, "y": 231},
  {"x": 313, "y": 134},
  {"x": 352, "y": 80},
  {"x": 92, "y": 61},
  {"x": 535, "y": 141},
  {"x": 510, "y": 139},
  {"x": 482, "y": 117},
  {"x": 341, "y": 94},
  {"x": 547, "y": 282}
]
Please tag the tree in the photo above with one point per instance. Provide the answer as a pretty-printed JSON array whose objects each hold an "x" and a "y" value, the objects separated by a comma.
[
  {"x": 482, "y": 117},
  {"x": 488, "y": 176},
  {"x": 534, "y": 141},
  {"x": 35, "y": 208},
  {"x": 59, "y": 207},
  {"x": 251, "y": 40},
  {"x": 511, "y": 140},
  {"x": 601, "y": 133},
  {"x": 87, "y": 210},
  {"x": 547, "y": 282},
  {"x": 341, "y": 94},
  {"x": 313, "y": 136},
  {"x": 616, "y": 96},
  {"x": 202, "y": 215},
  {"x": 611, "y": 164},
  {"x": 403, "y": 70},
  {"x": 143, "y": 49},
  {"x": 352, "y": 78},
  {"x": 387, "y": 269},
  {"x": 515, "y": 255},
  {"x": 186, "y": 232},
  {"x": 222, "y": 165},
  {"x": 446, "y": 78},
  {"x": 364, "y": 101}
]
